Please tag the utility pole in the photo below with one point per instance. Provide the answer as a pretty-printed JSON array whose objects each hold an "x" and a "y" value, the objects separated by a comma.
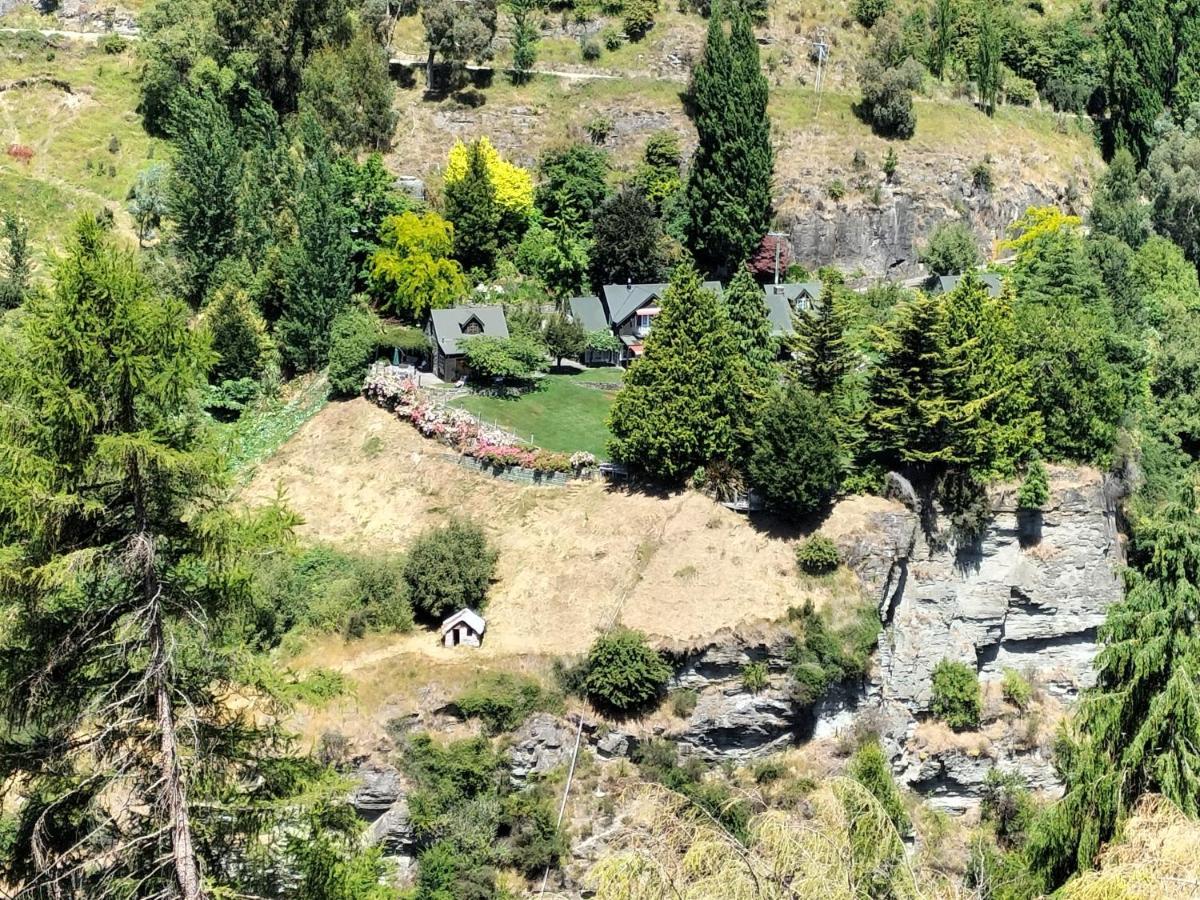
[
  {"x": 777, "y": 235},
  {"x": 822, "y": 46}
]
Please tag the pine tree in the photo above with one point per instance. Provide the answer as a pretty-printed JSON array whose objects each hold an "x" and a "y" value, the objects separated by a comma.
[
  {"x": 823, "y": 354},
  {"x": 1117, "y": 207},
  {"x": 124, "y": 582},
  {"x": 1137, "y": 46},
  {"x": 471, "y": 205},
  {"x": 317, "y": 268},
  {"x": 1138, "y": 729},
  {"x": 524, "y": 37},
  {"x": 729, "y": 187},
  {"x": 747, "y": 307},
  {"x": 948, "y": 392},
  {"x": 237, "y": 335},
  {"x": 14, "y": 285},
  {"x": 681, "y": 401},
  {"x": 794, "y": 462}
]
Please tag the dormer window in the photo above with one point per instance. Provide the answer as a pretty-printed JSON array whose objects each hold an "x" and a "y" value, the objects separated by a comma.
[{"x": 472, "y": 326}]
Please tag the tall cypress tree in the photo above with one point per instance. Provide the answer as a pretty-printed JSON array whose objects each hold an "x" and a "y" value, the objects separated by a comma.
[
  {"x": 729, "y": 186},
  {"x": 1137, "y": 45},
  {"x": 1185, "y": 61},
  {"x": 823, "y": 354},
  {"x": 987, "y": 61},
  {"x": 680, "y": 404},
  {"x": 747, "y": 306},
  {"x": 471, "y": 205}
]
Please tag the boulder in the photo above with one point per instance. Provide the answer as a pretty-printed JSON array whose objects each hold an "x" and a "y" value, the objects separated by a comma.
[
  {"x": 543, "y": 743},
  {"x": 379, "y": 787}
]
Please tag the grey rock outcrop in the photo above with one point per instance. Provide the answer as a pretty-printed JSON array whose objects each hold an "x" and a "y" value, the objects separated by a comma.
[
  {"x": 541, "y": 744},
  {"x": 380, "y": 799},
  {"x": 378, "y": 789}
]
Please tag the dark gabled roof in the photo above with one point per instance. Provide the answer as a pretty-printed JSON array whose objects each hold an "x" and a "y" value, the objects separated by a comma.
[
  {"x": 800, "y": 294},
  {"x": 589, "y": 312},
  {"x": 779, "y": 311},
  {"x": 446, "y": 325},
  {"x": 944, "y": 283},
  {"x": 623, "y": 300}
]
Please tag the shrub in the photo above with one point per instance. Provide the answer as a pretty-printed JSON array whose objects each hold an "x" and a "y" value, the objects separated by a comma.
[
  {"x": 821, "y": 655},
  {"x": 624, "y": 673},
  {"x": 818, "y": 555},
  {"x": 503, "y": 701},
  {"x": 613, "y": 39},
  {"x": 599, "y": 129},
  {"x": 836, "y": 189},
  {"x": 956, "y": 695},
  {"x": 890, "y": 163},
  {"x": 754, "y": 676},
  {"x": 887, "y": 98},
  {"x": 981, "y": 176},
  {"x": 868, "y": 12},
  {"x": 869, "y": 767},
  {"x": 114, "y": 44},
  {"x": 589, "y": 50},
  {"x": 1008, "y": 806},
  {"x": 532, "y": 839},
  {"x": 683, "y": 702},
  {"x": 952, "y": 249},
  {"x": 658, "y": 760},
  {"x": 353, "y": 342},
  {"x": 449, "y": 568},
  {"x": 638, "y": 17},
  {"x": 1035, "y": 488},
  {"x": 1016, "y": 689}
]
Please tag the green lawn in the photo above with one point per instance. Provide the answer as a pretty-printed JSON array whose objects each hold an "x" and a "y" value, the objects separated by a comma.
[{"x": 562, "y": 414}]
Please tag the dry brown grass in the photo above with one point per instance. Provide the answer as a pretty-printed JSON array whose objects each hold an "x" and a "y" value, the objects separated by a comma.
[{"x": 572, "y": 561}]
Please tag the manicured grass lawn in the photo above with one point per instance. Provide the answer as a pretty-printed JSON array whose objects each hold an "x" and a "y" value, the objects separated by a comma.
[{"x": 562, "y": 414}]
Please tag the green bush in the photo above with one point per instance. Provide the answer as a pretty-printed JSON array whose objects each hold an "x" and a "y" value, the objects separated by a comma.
[
  {"x": 353, "y": 343},
  {"x": 821, "y": 655},
  {"x": 503, "y": 701},
  {"x": 818, "y": 555},
  {"x": 869, "y": 767},
  {"x": 613, "y": 39},
  {"x": 325, "y": 590},
  {"x": 1007, "y": 804},
  {"x": 952, "y": 249},
  {"x": 638, "y": 17},
  {"x": 658, "y": 761},
  {"x": 1016, "y": 689},
  {"x": 532, "y": 839},
  {"x": 624, "y": 673},
  {"x": 448, "y": 569},
  {"x": 754, "y": 676},
  {"x": 683, "y": 702},
  {"x": 1035, "y": 488},
  {"x": 868, "y": 12},
  {"x": 114, "y": 44},
  {"x": 956, "y": 696},
  {"x": 589, "y": 50}
]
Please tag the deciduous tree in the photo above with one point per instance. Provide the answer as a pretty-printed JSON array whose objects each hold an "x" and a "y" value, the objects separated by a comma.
[
  {"x": 412, "y": 271},
  {"x": 627, "y": 241}
]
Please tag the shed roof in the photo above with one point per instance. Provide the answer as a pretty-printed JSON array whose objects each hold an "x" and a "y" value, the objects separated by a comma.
[
  {"x": 589, "y": 313},
  {"x": 623, "y": 300},
  {"x": 447, "y": 325},
  {"x": 467, "y": 617},
  {"x": 944, "y": 283}
]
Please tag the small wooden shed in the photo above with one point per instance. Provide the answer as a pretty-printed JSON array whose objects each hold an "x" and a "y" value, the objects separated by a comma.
[{"x": 465, "y": 628}]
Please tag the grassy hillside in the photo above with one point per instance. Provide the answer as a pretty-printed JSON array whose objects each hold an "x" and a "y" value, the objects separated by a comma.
[{"x": 88, "y": 144}]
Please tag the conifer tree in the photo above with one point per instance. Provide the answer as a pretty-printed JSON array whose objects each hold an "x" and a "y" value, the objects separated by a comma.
[
  {"x": 471, "y": 205},
  {"x": 123, "y": 583},
  {"x": 1137, "y": 47},
  {"x": 1138, "y": 729},
  {"x": 948, "y": 393},
  {"x": 794, "y": 461},
  {"x": 729, "y": 187},
  {"x": 680, "y": 404},
  {"x": 1117, "y": 207},
  {"x": 747, "y": 306},
  {"x": 823, "y": 355},
  {"x": 987, "y": 61},
  {"x": 14, "y": 284}
]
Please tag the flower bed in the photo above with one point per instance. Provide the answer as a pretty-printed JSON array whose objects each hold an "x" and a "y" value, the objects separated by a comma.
[{"x": 388, "y": 386}]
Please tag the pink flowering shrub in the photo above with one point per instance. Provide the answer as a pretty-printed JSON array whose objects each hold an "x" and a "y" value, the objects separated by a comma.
[{"x": 388, "y": 387}]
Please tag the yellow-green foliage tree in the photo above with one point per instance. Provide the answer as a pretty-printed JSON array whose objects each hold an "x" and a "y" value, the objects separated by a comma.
[
  {"x": 412, "y": 272},
  {"x": 513, "y": 184}
]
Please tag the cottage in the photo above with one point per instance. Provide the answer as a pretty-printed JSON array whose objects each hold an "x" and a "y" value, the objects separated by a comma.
[
  {"x": 941, "y": 284},
  {"x": 447, "y": 329},
  {"x": 783, "y": 300},
  {"x": 589, "y": 313},
  {"x": 630, "y": 310},
  {"x": 463, "y": 629}
]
